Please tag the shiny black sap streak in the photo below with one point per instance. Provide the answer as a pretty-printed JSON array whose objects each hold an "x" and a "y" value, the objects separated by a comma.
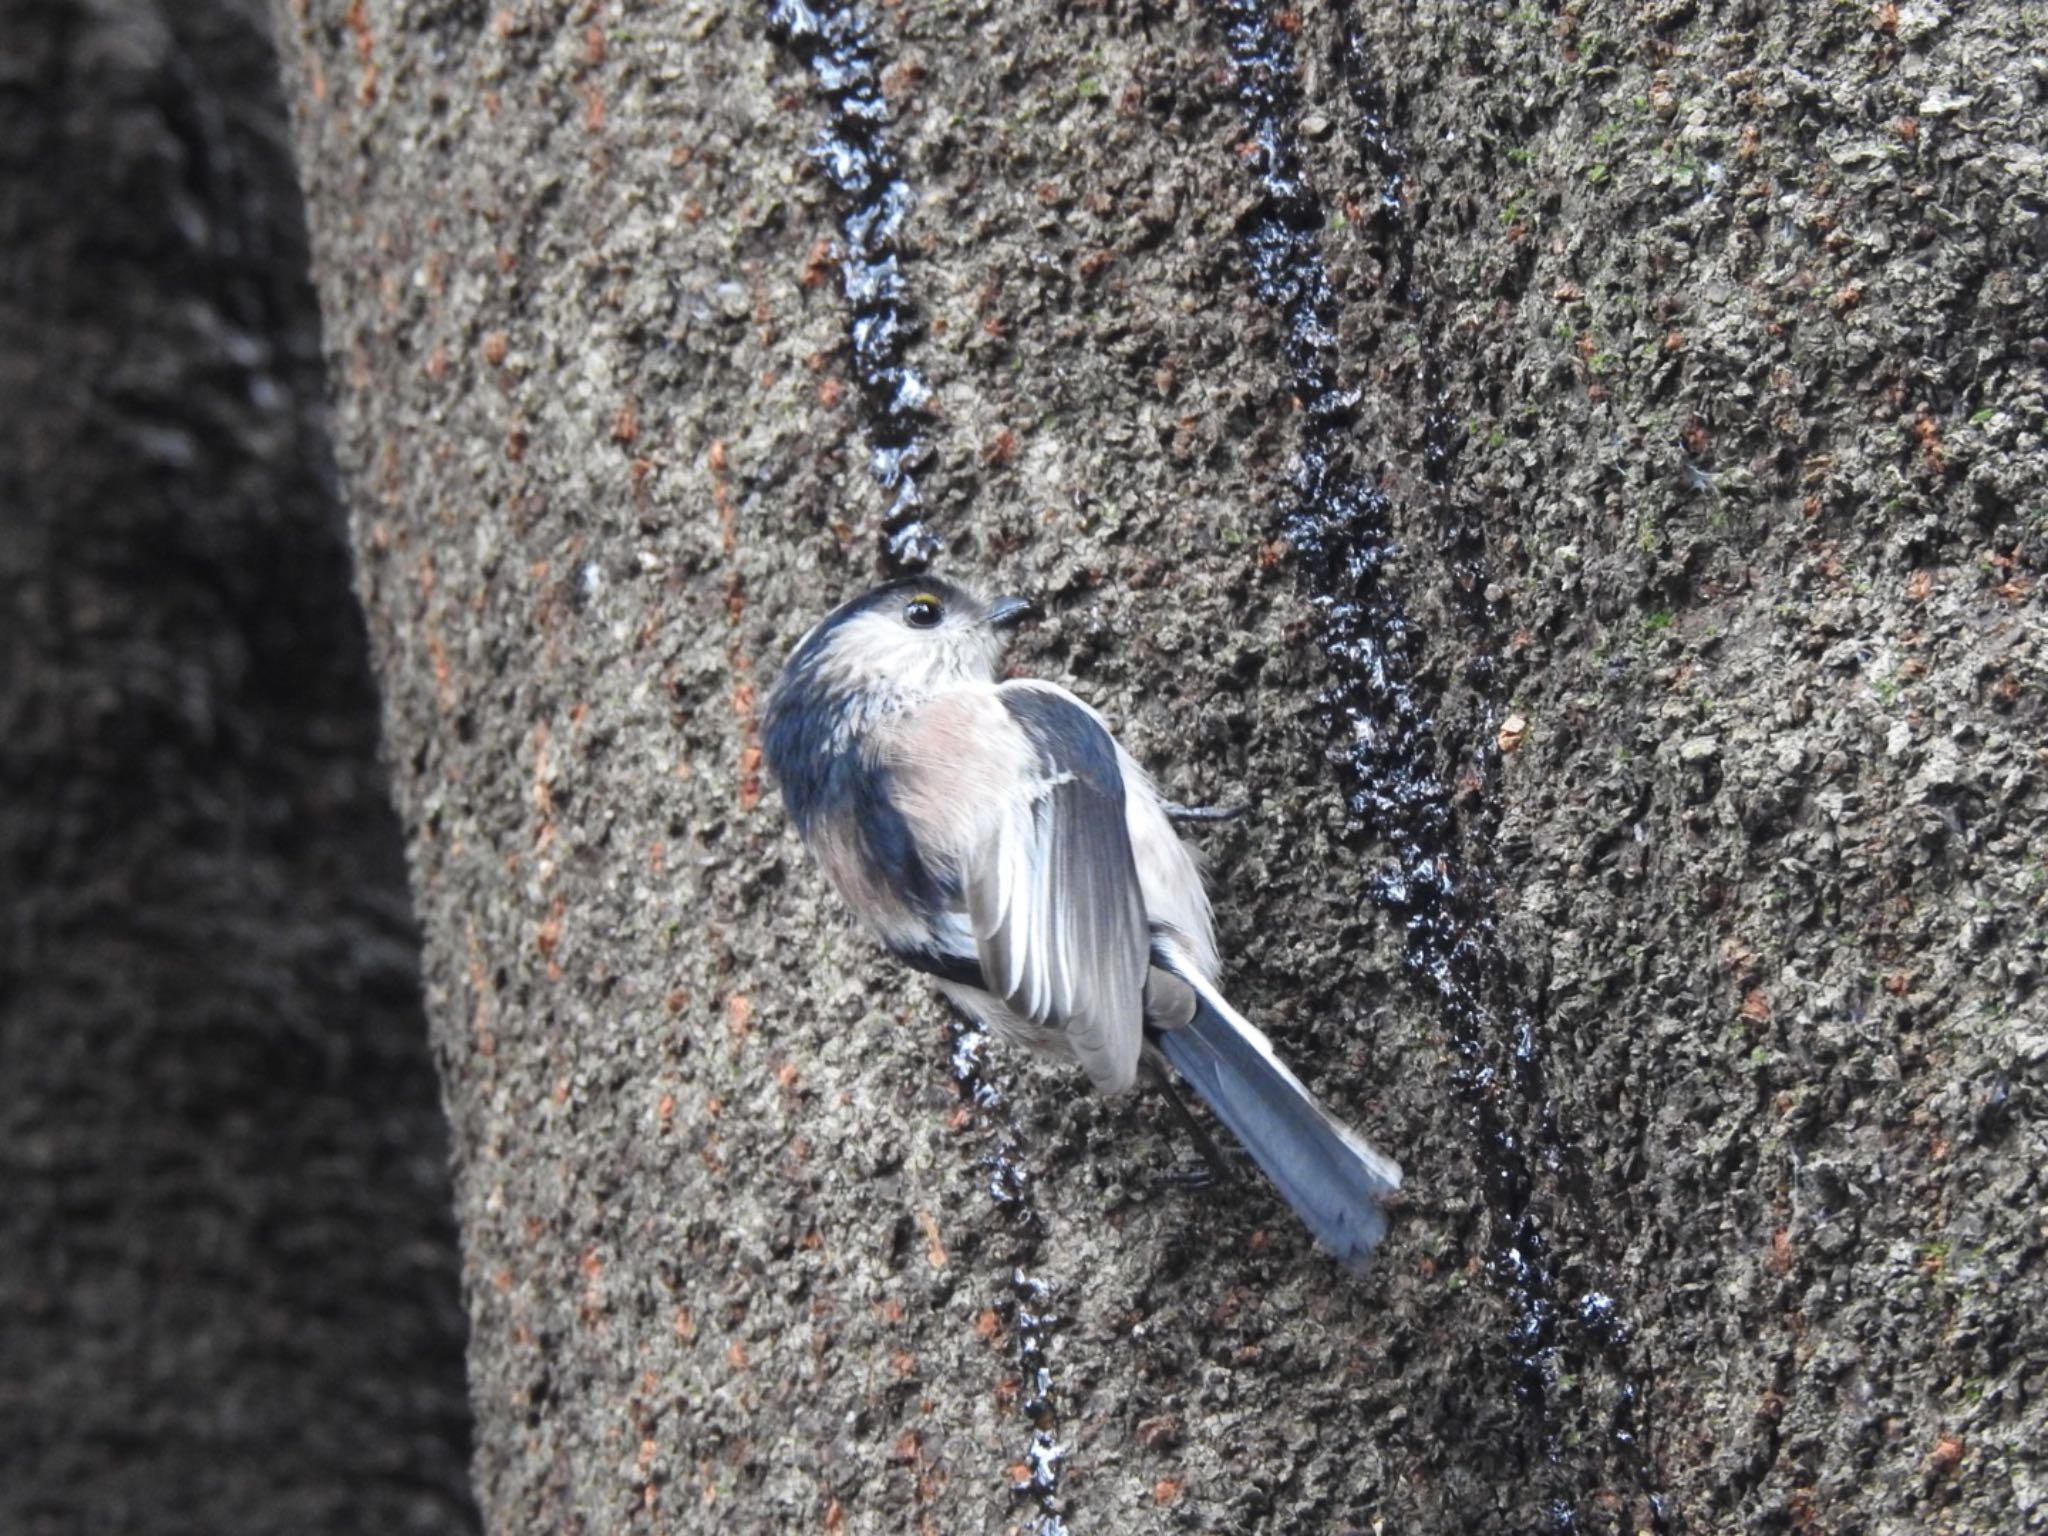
[
  {"x": 1461, "y": 546},
  {"x": 1009, "y": 1185},
  {"x": 1341, "y": 531},
  {"x": 835, "y": 40}
]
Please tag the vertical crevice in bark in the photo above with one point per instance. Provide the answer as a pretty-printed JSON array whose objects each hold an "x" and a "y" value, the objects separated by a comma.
[{"x": 1399, "y": 210}]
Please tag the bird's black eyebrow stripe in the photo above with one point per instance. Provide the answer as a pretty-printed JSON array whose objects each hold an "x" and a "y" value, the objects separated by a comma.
[
  {"x": 885, "y": 598},
  {"x": 881, "y": 599}
]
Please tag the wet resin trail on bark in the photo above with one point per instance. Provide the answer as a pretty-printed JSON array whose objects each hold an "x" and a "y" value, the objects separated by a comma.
[
  {"x": 1339, "y": 526},
  {"x": 1461, "y": 546},
  {"x": 1032, "y": 1320},
  {"x": 836, "y": 43}
]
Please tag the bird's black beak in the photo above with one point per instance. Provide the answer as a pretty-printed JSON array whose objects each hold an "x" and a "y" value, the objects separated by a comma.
[{"x": 1009, "y": 612}]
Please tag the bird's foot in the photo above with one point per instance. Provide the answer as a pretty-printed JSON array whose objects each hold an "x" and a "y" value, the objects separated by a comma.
[
  {"x": 1216, "y": 1168},
  {"x": 1191, "y": 1180}
]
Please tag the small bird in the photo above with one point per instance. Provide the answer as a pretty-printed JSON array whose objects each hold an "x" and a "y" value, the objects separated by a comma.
[{"x": 996, "y": 837}]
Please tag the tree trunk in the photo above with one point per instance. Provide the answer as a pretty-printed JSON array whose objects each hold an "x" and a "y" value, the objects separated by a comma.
[
  {"x": 228, "y": 1297},
  {"x": 1577, "y": 474}
]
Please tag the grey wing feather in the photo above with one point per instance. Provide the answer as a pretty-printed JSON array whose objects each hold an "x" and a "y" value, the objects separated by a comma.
[{"x": 1057, "y": 909}]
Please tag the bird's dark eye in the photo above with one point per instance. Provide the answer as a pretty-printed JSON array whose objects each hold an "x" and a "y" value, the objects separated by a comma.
[{"x": 923, "y": 611}]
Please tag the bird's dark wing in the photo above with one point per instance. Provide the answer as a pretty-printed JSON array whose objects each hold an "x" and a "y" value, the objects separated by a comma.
[{"x": 1054, "y": 900}]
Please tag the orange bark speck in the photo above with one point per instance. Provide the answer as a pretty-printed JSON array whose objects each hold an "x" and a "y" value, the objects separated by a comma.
[{"x": 934, "y": 1250}]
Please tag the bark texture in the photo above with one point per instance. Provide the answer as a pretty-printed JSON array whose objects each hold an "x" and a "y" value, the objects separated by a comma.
[
  {"x": 1642, "y": 712},
  {"x": 227, "y": 1267}
]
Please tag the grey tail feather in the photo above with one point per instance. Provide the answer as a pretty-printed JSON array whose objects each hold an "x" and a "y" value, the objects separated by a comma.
[{"x": 1333, "y": 1178}]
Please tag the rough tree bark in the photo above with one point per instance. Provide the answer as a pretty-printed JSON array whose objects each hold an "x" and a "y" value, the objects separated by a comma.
[
  {"x": 1578, "y": 471},
  {"x": 228, "y": 1294}
]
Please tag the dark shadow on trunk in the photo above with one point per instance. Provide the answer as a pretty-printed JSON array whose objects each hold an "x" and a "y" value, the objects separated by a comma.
[{"x": 229, "y": 1292}]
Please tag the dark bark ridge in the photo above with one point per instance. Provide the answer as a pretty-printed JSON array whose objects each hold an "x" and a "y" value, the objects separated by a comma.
[{"x": 228, "y": 1277}]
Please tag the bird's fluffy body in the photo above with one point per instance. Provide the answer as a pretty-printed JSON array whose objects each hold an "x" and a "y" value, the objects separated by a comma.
[
  {"x": 995, "y": 836},
  {"x": 955, "y": 759},
  {"x": 871, "y": 710}
]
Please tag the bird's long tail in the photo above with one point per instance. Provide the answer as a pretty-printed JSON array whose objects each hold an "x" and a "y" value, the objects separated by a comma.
[{"x": 1335, "y": 1181}]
